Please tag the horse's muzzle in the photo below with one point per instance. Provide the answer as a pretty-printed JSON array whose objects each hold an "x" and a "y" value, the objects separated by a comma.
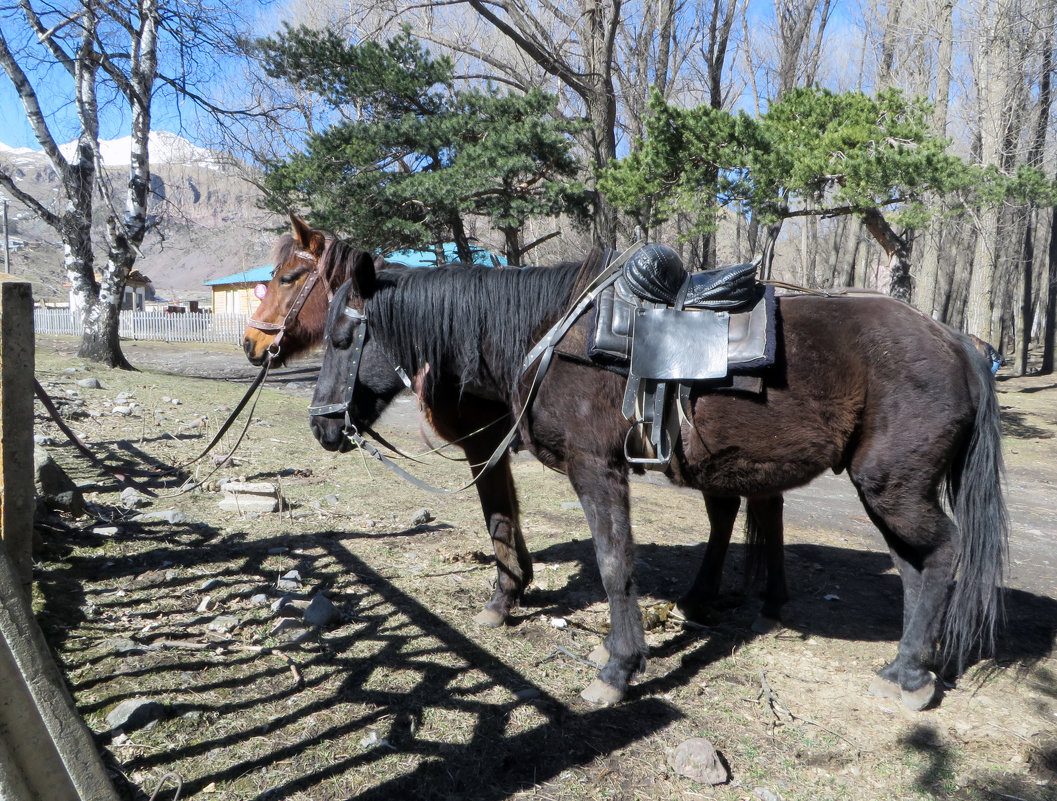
[{"x": 330, "y": 432}]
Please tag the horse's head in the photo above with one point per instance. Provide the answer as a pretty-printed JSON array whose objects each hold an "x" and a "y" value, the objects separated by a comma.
[
  {"x": 293, "y": 309},
  {"x": 357, "y": 380}
]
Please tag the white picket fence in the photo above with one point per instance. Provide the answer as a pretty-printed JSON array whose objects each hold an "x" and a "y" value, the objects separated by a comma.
[{"x": 190, "y": 327}]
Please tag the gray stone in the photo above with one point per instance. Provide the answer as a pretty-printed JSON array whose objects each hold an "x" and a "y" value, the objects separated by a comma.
[
  {"x": 132, "y": 498},
  {"x": 698, "y": 759},
  {"x": 281, "y": 602},
  {"x": 135, "y": 713},
  {"x": 106, "y": 531},
  {"x": 162, "y": 516},
  {"x": 321, "y": 612},
  {"x": 90, "y": 383},
  {"x": 331, "y": 500},
  {"x": 43, "y": 439},
  {"x": 207, "y": 604},
  {"x": 55, "y": 488},
  {"x": 248, "y": 503},
  {"x": 260, "y": 599},
  {"x": 223, "y": 623},
  {"x": 422, "y": 516},
  {"x": 122, "y": 645},
  {"x": 209, "y": 584},
  {"x": 764, "y": 794},
  {"x": 121, "y": 411},
  {"x": 288, "y": 629}
]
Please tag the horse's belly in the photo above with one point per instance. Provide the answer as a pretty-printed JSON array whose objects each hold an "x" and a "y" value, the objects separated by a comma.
[{"x": 734, "y": 450}]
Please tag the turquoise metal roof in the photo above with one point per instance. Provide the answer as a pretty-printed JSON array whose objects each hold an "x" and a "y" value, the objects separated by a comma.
[
  {"x": 258, "y": 275},
  {"x": 427, "y": 258}
]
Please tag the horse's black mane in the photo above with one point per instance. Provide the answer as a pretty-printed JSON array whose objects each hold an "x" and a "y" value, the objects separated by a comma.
[{"x": 467, "y": 321}]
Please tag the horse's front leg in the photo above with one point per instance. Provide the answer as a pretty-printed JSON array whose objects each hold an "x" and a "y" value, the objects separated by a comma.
[
  {"x": 603, "y": 492},
  {"x": 513, "y": 561}
]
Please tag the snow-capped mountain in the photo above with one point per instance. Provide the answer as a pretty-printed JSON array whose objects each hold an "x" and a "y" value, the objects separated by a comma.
[
  {"x": 164, "y": 148},
  {"x": 205, "y": 216}
]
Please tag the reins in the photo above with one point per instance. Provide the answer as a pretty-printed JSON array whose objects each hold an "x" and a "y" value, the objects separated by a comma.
[
  {"x": 255, "y": 386},
  {"x": 541, "y": 355}
]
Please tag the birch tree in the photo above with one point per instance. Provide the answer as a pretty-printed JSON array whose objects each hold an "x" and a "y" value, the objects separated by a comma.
[{"x": 105, "y": 52}]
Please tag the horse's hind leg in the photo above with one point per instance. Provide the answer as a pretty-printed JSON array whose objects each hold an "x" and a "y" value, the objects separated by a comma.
[
  {"x": 697, "y": 603},
  {"x": 603, "y": 492},
  {"x": 766, "y": 531},
  {"x": 513, "y": 561},
  {"x": 764, "y": 517},
  {"x": 921, "y": 539}
]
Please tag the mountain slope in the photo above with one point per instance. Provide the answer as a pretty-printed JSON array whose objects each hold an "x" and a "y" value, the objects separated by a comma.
[{"x": 204, "y": 212}]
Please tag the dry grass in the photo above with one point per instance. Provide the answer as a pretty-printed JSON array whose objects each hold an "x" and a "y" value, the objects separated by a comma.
[{"x": 406, "y": 699}]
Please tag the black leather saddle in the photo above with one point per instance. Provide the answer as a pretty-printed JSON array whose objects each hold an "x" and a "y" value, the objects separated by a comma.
[{"x": 669, "y": 329}]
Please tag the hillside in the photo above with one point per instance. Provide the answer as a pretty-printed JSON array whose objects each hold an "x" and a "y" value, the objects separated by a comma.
[{"x": 207, "y": 223}]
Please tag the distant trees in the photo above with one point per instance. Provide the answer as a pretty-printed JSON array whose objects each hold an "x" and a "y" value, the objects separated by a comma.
[
  {"x": 408, "y": 157},
  {"x": 812, "y": 153},
  {"x": 975, "y": 255}
]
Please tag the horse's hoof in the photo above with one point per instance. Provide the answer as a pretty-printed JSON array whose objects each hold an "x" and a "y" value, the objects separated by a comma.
[
  {"x": 489, "y": 619},
  {"x": 922, "y": 697},
  {"x": 599, "y": 656},
  {"x": 765, "y": 625},
  {"x": 883, "y": 688},
  {"x": 601, "y": 694}
]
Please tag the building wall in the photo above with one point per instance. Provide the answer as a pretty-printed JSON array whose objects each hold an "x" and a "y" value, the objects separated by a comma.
[{"x": 235, "y": 299}]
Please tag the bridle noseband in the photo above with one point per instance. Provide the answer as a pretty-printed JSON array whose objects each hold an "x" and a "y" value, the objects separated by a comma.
[{"x": 280, "y": 328}]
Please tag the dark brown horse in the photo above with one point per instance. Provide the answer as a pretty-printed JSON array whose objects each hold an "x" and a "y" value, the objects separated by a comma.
[
  {"x": 291, "y": 320},
  {"x": 862, "y": 383}
]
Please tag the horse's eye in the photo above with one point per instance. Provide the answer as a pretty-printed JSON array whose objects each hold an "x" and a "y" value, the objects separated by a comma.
[{"x": 290, "y": 277}]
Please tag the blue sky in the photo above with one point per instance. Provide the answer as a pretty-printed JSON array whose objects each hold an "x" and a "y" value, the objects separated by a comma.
[{"x": 54, "y": 89}]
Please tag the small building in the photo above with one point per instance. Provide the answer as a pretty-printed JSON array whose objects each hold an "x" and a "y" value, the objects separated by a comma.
[
  {"x": 235, "y": 294},
  {"x": 426, "y": 257},
  {"x": 138, "y": 290}
]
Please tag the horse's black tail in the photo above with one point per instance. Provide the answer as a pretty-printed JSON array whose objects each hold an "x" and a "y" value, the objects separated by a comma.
[{"x": 975, "y": 487}]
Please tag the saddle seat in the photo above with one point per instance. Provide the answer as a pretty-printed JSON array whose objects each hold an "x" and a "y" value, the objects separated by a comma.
[
  {"x": 668, "y": 329},
  {"x": 656, "y": 275}
]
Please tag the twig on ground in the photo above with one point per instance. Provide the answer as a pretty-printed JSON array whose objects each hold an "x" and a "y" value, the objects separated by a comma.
[{"x": 770, "y": 697}]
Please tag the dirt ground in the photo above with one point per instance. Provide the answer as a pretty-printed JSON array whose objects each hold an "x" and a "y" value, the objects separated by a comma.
[{"x": 402, "y": 697}]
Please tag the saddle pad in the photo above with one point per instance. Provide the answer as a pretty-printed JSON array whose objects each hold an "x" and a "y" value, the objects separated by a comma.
[{"x": 670, "y": 345}]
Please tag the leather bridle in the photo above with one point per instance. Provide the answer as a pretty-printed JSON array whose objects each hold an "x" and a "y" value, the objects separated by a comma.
[
  {"x": 359, "y": 319},
  {"x": 280, "y": 328}
]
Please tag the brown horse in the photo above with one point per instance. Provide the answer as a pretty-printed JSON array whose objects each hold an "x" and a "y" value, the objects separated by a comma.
[
  {"x": 290, "y": 318},
  {"x": 861, "y": 383}
]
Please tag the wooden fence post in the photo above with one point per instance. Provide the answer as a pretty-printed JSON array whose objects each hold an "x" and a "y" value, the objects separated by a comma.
[
  {"x": 16, "y": 424},
  {"x": 46, "y": 749}
]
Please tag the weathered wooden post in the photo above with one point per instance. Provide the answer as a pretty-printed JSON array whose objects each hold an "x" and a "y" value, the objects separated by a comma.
[
  {"x": 46, "y": 750},
  {"x": 16, "y": 424}
]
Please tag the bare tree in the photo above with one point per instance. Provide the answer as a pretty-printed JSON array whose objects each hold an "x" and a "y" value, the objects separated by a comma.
[{"x": 114, "y": 48}]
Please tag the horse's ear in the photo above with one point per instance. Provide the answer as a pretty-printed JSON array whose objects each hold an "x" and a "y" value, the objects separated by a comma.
[
  {"x": 363, "y": 271},
  {"x": 306, "y": 237},
  {"x": 302, "y": 231}
]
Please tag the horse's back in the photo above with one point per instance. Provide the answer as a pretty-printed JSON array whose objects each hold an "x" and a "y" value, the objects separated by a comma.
[{"x": 852, "y": 374}]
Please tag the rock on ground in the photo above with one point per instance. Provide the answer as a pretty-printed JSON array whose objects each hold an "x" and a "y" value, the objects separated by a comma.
[{"x": 698, "y": 759}]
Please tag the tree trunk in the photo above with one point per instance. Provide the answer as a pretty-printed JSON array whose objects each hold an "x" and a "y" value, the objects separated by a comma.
[
  {"x": 1049, "y": 337},
  {"x": 100, "y": 342},
  {"x": 898, "y": 250}
]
